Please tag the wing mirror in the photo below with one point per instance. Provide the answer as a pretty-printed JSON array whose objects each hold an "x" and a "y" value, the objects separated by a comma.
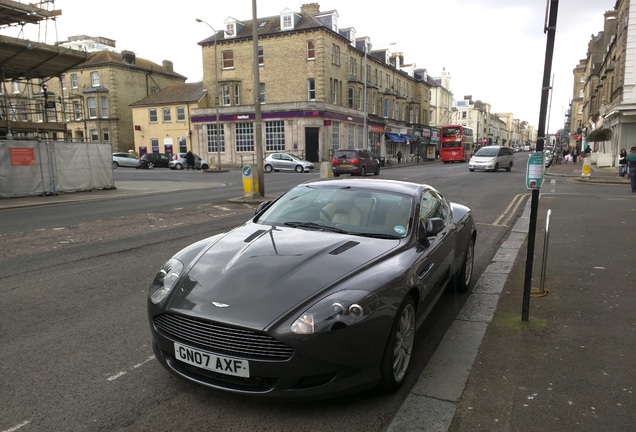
[{"x": 430, "y": 228}]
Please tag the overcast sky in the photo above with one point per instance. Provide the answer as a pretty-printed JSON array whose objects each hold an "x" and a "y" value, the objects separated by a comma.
[{"x": 493, "y": 49}]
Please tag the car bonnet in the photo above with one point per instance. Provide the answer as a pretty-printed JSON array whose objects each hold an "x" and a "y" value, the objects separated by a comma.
[{"x": 255, "y": 274}]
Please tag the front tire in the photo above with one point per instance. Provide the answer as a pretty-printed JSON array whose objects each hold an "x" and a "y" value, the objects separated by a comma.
[
  {"x": 268, "y": 168},
  {"x": 115, "y": 165},
  {"x": 510, "y": 167},
  {"x": 463, "y": 276},
  {"x": 299, "y": 168},
  {"x": 363, "y": 171},
  {"x": 399, "y": 347},
  {"x": 151, "y": 165}
]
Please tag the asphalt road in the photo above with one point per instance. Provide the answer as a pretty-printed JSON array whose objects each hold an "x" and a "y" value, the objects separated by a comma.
[{"x": 74, "y": 331}]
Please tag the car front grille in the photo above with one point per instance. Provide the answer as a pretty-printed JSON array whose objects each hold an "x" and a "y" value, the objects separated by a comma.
[{"x": 222, "y": 339}]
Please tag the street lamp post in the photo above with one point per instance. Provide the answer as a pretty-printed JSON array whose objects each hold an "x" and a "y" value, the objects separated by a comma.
[
  {"x": 217, "y": 134},
  {"x": 364, "y": 127}
]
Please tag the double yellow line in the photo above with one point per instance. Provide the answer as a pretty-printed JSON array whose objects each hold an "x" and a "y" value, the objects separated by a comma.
[{"x": 505, "y": 217}]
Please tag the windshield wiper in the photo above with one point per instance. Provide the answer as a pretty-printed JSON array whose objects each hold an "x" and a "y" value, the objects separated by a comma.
[
  {"x": 314, "y": 225},
  {"x": 378, "y": 235}
]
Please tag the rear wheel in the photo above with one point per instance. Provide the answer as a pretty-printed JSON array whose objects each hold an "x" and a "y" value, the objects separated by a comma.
[
  {"x": 399, "y": 347},
  {"x": 268, "y": 168},
  {"x": 115, "y": 165}
]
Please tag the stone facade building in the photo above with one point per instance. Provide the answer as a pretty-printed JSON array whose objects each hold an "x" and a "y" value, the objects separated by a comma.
[{"x": 317, "y": 81}]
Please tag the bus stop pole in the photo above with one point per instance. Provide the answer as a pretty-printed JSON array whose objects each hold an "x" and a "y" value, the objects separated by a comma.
[{"x": 552, "y": 7}]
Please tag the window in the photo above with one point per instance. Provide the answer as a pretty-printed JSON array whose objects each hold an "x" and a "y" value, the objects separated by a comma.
[
  {"x": 385, "y": 110},
  {"x": 237, "y": 95},
  {"x": 361, "y": 137},
  {"x": 464, "y": 114},
  {"x": 335, "y": 91},
  {"x": 311, "y": 89},
  {"x": 225, "y": 95},
  {"x": 311, "y": 50},
  {"x": 335, "y": 135},
  {"x": 274, "y": 136},
  {"x": 352, "y": 136},
  {"x": 215, "y": 139},
  {"x": 74, "y": 83},
  {"x": 353, "y": 67},
  {"x": 228, "y": 59},
  {"x": 103, "y": 106},
  {"x": 261, "y": 59},
  {"x": 261, "y": 93},
  {"x": 183, "y": 145},
  {"x": 152, "y": 115},
  {"x": 335, "y": 54},
  {"x": 106, "y": 135},
  {"x": 94, "y": 135},
  {"x": 95, "y": 79},
  {"x": 63, "y": 82},
  {"x": 77, "y": 110},
  {"x": 244, "y": 132},
  {"x": 181, "y": 116},
  {"x": 351, "y": 97},
  {"x": 286, "y": 22},
  {"x": 91, "y": 102},
  {"x": 166, "y": 115},
  {"x": 15, "y": 86},
  {"x": 154, "y": 145}
]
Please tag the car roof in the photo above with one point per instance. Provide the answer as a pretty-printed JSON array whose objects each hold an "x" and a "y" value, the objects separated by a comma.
[{"x": 398, "y": 186}]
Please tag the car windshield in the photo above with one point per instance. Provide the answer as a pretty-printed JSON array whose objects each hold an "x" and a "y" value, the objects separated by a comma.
[
  {"x": 349, "y": 210},
  {"x": 487, "y": 151},
  {"x": 346, "y": 155}
]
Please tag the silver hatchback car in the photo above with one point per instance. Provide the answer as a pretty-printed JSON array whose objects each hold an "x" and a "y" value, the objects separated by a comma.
[
  {"x": 286, "y": 162},
  {"x": 492, "y": 158}
]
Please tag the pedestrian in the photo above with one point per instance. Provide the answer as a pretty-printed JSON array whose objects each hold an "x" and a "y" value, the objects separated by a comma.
[
  {"x": 574, "y": 155},
  {"x": 587, "y": 151},
  {"x": 622, "y": 163},
  {"x": 399, "y": 157},
  {"x": 566, "y": 155},
  {"x": 189, "y": 160},
  {"x": 631, "y": 160}
]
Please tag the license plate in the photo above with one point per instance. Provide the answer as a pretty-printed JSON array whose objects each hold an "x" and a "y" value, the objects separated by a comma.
[
  {"x": 344, "y": 165},
  {"x": 212, "y": 362}
]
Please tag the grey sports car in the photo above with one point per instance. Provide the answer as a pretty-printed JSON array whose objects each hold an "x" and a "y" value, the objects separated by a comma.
[{"x": 317, "y": 295}]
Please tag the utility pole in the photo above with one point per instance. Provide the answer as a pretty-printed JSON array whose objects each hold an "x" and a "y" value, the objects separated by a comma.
[
  {"x": 553, "y": 6},
  {"x": 258, "y": 126}
]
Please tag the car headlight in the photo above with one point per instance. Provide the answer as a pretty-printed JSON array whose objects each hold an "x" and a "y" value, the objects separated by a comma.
[
  {"x": 336, "y": 311},
  {"x": 165, "y": 280}
]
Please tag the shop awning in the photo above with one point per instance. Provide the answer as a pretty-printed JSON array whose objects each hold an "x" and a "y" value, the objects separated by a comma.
[
  {"x": 407, "y": 137},
  {"x": 394, "y": 137}
]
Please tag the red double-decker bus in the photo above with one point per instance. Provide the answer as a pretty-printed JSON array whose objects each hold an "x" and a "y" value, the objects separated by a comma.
[{"x": 456, "y": 143}]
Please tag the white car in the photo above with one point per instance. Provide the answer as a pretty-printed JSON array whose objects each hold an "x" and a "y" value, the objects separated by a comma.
[
  {"x": 492, "y": 158},
  {"x": 125, "y": 159},
  {"x": 178, "y": 162}
]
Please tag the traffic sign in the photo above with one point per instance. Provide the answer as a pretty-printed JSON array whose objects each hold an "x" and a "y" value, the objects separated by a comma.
[{"x": 534, "y": 171}]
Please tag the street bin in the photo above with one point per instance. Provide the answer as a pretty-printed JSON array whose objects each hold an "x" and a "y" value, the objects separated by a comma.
[{"x": 382, "y": 161}]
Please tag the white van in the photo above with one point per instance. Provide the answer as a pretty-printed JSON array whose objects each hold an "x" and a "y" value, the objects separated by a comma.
[{"x": 492, "y": 158}]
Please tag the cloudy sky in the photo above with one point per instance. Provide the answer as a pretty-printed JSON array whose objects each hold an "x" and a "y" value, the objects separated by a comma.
[{"x": 493, "y": 49}]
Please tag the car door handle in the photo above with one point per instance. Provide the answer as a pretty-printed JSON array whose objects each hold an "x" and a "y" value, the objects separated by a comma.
[{"x": 425, "y": 271}]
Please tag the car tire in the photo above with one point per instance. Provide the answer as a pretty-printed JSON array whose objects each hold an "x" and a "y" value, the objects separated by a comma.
[
  {"x": 465, "y": 273},
  {"x": 363, "y": 171},
  {"x": 205, "y": 167},
  {"x": 299, "y": 168},
  {"x": 471, "y": 170},
  {"x": 377, "y": 170},
  {"x": 497, "y": 166},
  {"x": 178, "y": 166},
  {"x": 336, "y": 174},
  {"x": 509, "y": 167},
  {"x": 115, "y": 165},
  {"x": 399, "y": 347},
  {"x": 268, "y": 168},
  {"x": 151, "y": 165}
]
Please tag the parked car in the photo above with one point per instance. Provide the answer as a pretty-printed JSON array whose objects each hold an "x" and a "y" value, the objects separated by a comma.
[
  {"x": 286, "y": 162},
  {"x": 319, "y": 294},
  {"x": 354, "y": 162},
  {"x": 125, "y": 160},
  {"x": 152, "y": 160},
  {"x": 178, "y": 162},
  {"x": 492, "y": 158}
]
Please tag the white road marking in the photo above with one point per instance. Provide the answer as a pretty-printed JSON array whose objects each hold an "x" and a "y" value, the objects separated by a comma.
[
  {"x": 16, "y": 427},
  {"x": 122, "y": 373}
]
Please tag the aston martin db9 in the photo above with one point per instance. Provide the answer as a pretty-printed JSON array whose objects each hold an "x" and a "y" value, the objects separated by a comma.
[{"x": 319, "y": 294}]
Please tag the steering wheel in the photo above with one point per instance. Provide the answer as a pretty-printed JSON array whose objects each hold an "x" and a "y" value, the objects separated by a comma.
[{"x": 323, "y": 212}]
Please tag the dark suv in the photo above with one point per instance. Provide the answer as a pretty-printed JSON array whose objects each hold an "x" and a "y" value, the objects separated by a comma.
[
  {"x": 354, "y": 162},
  {"x": 151, "y": 160}
]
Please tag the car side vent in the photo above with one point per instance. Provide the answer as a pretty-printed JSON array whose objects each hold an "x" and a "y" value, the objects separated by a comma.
[
  {"x": 345, "y": 247},
  {"x": 253, "y": 236}
]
